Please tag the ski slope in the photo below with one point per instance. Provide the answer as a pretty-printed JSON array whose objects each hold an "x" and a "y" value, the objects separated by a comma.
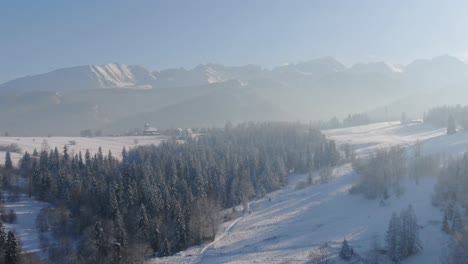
[{"x": 287, "y": 228}]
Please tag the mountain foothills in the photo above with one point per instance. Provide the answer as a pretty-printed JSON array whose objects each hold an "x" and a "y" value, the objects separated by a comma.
[{"x": 118, "y": 98}]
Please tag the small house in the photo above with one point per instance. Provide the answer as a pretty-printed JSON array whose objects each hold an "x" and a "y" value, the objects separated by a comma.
[{"x": 150, "y": 131}]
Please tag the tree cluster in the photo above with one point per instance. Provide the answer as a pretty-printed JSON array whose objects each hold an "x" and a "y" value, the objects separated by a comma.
[
  {"x": 348, "y": 121},
  {"x": 380, "y": 173},
  {"x": 451, "y": 184},
  {"x": 403, "y": 235},
  {"x": 448, "y": 116},
  {"x": 9, "y": 247}
]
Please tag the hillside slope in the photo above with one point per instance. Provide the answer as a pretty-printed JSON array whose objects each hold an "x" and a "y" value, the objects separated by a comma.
[{"x": 294, "y": 222}]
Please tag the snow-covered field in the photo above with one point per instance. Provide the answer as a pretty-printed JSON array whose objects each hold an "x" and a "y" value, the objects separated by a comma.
[
  {"x": 287, "y": 228},
  {"x": 434, "y": 141},
  {"x": 114, "y": 144},
  {"x": 26, "y": 210}
]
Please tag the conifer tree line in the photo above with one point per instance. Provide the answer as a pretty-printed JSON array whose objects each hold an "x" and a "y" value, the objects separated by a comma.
[
  {"x": 162, "y": 199},
  {"x": 450, "y": 189},
  {"x": 448, "y": 116},
  {"x": 451, "y": 196},
  {"x": 349, "y": 121}
]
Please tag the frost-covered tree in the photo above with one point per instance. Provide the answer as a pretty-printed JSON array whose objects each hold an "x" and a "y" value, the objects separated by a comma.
[
  {"x": 403, "y": 235},
  {"x": 392, "y": 239},
  {"x": 381, "y": 173},
  {"x": 3, "y": 238},
  {"x": 120, "y": 232},
  {"x": 404, "y": 118},
  {"x": 373, "y": 255},
  {"x": 409, "y": 238},
  {"x": 165, "y": 248},
  {"x": 8, "y": 163},
  {"x": 451, "y": 126},
  {"x": 445, "y": 224},
  {"x": 12, "y": 250},
  {"x": 457, "y": 224},
  {"x": 346, "y": 251}
]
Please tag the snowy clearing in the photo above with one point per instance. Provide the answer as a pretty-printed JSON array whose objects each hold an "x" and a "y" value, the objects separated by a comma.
[
  {"x": 77, "y": 144},
  {"x": 26, "y": 210},
  {"x": 287, "y": 228}
]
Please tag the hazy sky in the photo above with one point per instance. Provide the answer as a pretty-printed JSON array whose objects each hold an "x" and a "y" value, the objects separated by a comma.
[{"x": 39, "y": 36}]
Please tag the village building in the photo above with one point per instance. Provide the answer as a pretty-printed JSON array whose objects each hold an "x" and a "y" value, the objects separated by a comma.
[{"x": 150, "y": 131}]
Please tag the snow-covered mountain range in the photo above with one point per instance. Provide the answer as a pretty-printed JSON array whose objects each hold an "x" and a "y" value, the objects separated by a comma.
[
  {"x": 444, "y": 69},
  {"x": 85, "y": 77},
  {"x": 119, "y": 97}
]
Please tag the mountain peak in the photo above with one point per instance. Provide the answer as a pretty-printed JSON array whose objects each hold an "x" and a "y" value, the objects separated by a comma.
[{"x": 112, "y": 75}]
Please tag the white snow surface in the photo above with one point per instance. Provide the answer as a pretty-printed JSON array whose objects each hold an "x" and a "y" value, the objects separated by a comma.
[
  {"x": 114, "y": 144},
  {"x": 117, "y": 76},
  {"x": 287, "y": 228},
  {"x": 26, "y": 210}
]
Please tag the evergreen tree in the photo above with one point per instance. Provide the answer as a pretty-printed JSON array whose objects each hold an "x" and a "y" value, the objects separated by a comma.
[
  {"x": 451, "y": 126},
  {"x": 403, "y": 119},
  {"x": 25, "y": 164},
  {"x": 445, "y": 224},
  {"x": 154, "y": 236},
  {"x": 121, "y": 233},
  {"x": 8, "y": 163},
  {"x": 392, "y": 239},
  {"x": 181, "y": 230},
  {"x": 12, "y": 250},
  {"x": 457, "y": 225},
  {"x": 412, "y": 236},
  {"x": 3, "y": 238},
  {"x": 65, "y": 156},
  {"x": 165, "y": 248},
  {"x": 99, "y": 239},
  {"x": 464, "y": 118},
  {"x": 346, "y": 251},
  {"x": 143, "y": 223}
]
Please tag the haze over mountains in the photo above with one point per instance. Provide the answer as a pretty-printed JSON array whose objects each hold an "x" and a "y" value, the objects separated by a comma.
[{"x": 117, "y": 98}]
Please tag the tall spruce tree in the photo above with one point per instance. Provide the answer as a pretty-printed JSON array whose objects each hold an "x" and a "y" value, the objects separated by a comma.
[
  {"x": 346, "y": 251},
  {"x": 451, "y": 126},
  {"x": 12, "y": 250},
  {"x": 392, "y": 239},
  {"x": 8, "y": 163},
  {"x": 3, "y": 238}
]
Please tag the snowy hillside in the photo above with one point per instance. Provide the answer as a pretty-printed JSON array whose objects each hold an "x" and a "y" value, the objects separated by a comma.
[{"x": 285, "y": 226}]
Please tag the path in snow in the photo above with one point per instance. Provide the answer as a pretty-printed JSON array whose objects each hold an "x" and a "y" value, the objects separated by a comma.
[{"x": 218, "y": 237}]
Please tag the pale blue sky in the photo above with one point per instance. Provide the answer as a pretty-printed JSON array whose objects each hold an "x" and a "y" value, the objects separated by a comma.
[{"x": 39, "y": 36}]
